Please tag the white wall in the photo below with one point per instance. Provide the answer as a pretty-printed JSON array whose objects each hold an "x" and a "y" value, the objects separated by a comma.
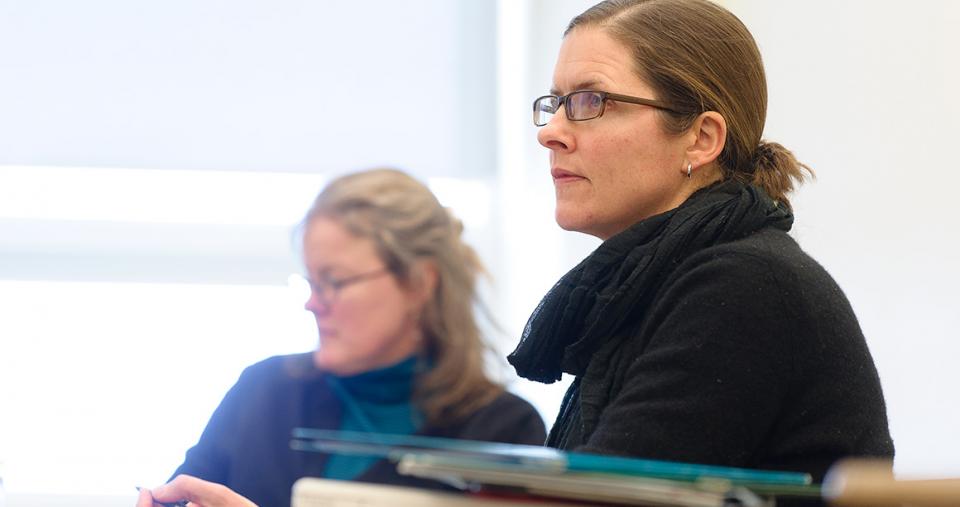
[{"x": 866, "y": 93}]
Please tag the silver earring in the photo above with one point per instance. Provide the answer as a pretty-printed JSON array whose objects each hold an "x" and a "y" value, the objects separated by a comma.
[{"x": 689, "y": 169}]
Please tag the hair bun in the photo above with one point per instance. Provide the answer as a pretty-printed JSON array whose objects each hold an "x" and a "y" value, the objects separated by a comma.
[{"x": 765, "y": 154}]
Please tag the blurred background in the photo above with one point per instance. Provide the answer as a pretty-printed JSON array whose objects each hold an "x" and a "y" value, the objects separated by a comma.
[{"x": 156, "y": 156}]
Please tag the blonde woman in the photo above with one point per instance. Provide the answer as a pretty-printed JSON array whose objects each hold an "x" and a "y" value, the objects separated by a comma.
[{"x": 393, "y": 289}]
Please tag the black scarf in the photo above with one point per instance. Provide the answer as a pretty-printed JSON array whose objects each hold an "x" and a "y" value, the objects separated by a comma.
[{"x": 587, "y": 306}]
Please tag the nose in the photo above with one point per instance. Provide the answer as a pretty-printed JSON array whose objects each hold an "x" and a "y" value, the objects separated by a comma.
[
  {"x": 316, "y": 305},
  {"x": 556, "y": 134}
]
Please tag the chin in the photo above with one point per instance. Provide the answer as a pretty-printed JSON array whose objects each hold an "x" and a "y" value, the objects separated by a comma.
[
  {"x": 571, "y": 220},
  {"x": 342, "y": 366},
  {"x": 318, "y": 359},
  {"x": 565, "y": 218},
  {"x": 325, "y": 360}
]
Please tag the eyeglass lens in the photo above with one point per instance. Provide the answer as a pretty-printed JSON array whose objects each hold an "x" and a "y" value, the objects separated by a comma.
[
  {"x": 544, "y": 108},
  {"x": 325, "y": 290},
  {"x": 584, "y": 105}
]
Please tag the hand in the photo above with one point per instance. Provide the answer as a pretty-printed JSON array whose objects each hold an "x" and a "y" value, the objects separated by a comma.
[{"x": 199, "y": 492}]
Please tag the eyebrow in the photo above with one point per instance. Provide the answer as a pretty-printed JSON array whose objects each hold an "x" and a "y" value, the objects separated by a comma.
[{"x": 583, "y": 85}]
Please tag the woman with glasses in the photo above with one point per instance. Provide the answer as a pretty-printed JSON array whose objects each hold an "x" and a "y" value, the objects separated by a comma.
[
  {"x": 392, "y": 290},
  {"x": 698, "y": 330}
]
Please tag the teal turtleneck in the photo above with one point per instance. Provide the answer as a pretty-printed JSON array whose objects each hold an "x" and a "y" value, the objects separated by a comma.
[{"x": 376, "y": 401}]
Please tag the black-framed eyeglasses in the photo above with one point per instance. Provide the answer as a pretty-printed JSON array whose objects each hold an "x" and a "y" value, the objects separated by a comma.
[
  {"x": 327, "y": 288},
  {"x": 585, "y": 105}
]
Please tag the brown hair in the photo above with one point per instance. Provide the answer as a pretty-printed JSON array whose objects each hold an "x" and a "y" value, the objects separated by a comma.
[
  {"x": 699, "y": 57},
  {"x": 407, "y": 224}
]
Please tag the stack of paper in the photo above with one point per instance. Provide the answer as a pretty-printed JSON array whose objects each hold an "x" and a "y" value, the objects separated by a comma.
[{"x": 313, "y": 492}]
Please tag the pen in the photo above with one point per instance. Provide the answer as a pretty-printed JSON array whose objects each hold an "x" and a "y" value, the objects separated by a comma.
[{"x": 181, "y": 503}]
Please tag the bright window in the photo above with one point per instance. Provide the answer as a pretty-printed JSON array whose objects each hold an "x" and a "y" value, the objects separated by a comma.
[{"x": 105, "y": 385}]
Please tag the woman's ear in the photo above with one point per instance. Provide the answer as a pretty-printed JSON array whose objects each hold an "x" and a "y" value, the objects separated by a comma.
[
  {"x": 423, "y": 282},
  {"x": 708, "y": 137}
]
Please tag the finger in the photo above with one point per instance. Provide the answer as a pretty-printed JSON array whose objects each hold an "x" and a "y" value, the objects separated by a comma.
[
  {"x": 182, "y": 487},
  {"x": 200, "y": 492}
]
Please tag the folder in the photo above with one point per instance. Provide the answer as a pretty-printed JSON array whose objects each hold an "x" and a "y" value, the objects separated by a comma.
[{"x": 551, "y": 473}]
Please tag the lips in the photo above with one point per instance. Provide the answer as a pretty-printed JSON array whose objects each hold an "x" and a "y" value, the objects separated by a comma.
[{"x": 563, "y": 175}]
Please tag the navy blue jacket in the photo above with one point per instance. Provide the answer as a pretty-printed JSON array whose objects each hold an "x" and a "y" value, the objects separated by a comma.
[{"x": 246, "y": 444}]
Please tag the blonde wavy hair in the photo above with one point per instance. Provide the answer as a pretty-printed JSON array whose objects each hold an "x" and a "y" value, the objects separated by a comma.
[{"x": 407, "y": 225}]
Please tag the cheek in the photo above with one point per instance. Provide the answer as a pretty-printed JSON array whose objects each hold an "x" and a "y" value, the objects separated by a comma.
[
  {"x": 629, "y": 174},
  {"x": 370, "y": 321},
  {"x": 357, "y": 341},
  {"x": 631, "y": 161},
  {"x": 615, "y": 164},
  {"x": 610, "y": 159}
]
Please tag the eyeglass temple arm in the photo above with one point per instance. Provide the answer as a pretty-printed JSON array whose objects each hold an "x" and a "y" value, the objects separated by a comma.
[{"x": 636, "y": 100}]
